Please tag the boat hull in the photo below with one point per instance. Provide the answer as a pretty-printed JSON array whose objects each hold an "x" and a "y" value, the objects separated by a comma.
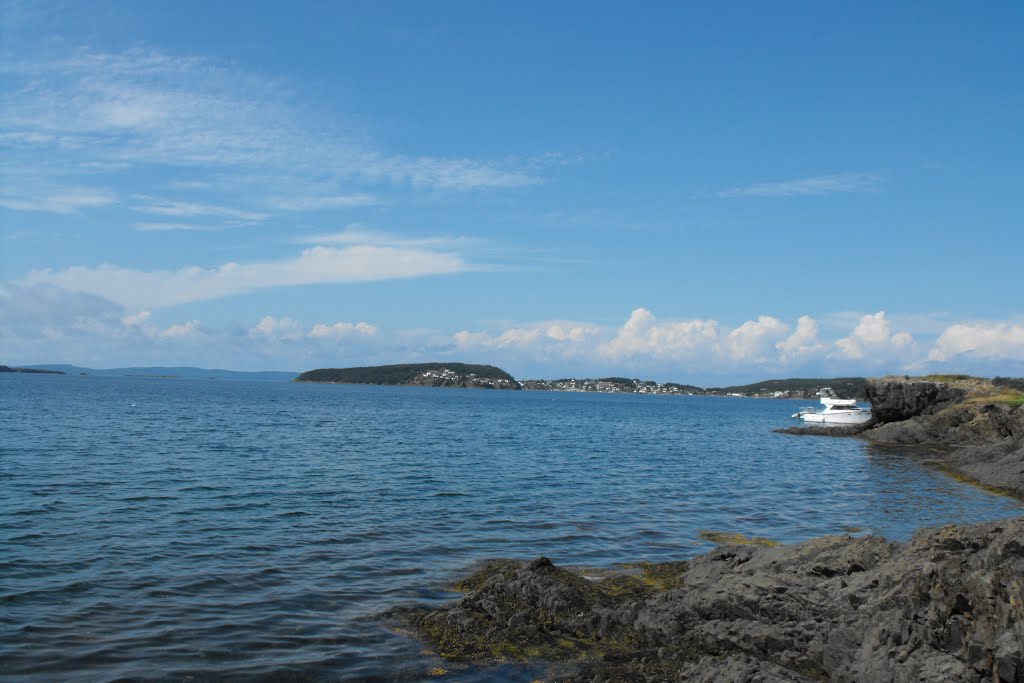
[{"x": 851, "y": 418}]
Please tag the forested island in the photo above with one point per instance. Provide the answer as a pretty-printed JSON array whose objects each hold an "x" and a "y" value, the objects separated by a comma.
[
  {"x": 417, "y": 374},
  {"x": 30, "y": 371},
  {"x": 465, "y": 375}
]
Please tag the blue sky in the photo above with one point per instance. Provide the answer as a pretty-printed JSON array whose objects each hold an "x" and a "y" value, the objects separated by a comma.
[{"x": 692, "y": 193}]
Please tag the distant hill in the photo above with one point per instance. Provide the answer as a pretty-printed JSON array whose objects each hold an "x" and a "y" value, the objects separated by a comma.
[
  {"x": 30, "y": 371},
  {"x": 417, "y": 374},
  {"x": 845, "y": 387},
  {"x": 171, "y": 373}
]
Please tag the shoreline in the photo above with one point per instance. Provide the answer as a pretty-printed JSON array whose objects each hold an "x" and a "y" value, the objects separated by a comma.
[
  {"x": 966, "y": 428},
  {"x": 946, "y": 605}
]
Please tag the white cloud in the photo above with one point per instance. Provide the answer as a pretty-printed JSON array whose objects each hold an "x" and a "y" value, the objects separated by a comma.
[
  {"x": 552, "y": 339},
  {"x": 65, "y": 200},
  {"x": 873, "y": 337},
  {"x": 277, "y": 329},
  {"x": 826, "y": 184},
  {"x": 300, "y": 203},
  {"x": 137, "y": 319},
  {"x": 136, "y": 289},
  {"x": 93, "y": 110},
  {"x": 342, "y": 330},
  {"x": 189, "y": 329},
  {"x": 356, "y": 233},
  {"x": 754, "y": 340},
  {"x": 993, "y": 341},
  {"x": 165, "y": 227},
  {"x": 803, "y": 342},
  {"x": 641, "y": 335},
  {"x": 170, "y": 207},
  {"x": 46, "y": 323}
]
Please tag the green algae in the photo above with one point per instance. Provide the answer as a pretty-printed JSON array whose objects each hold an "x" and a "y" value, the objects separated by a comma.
[
  {"x": 730, "y": 538},
  {"x": 967, "y": 479},
  {"x": 661, "y": 576}
]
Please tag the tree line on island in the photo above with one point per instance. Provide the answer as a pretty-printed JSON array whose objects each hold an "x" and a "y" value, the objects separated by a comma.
[
  {"x": 30, "y": 371},
  {"x": 489, "y": 376}
]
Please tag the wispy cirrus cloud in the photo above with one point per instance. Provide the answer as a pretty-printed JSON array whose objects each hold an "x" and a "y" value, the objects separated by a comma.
[
  {"x": 315, "y": 203},
  {"x": 170, "y": 207},
  {"x": 359, "y": 234},
  {"x": 819, "y": 185},
  {"x": 167, "y": 227},
  {"x": 63, "y": 200},
  {"x": 112, "y": 112}
]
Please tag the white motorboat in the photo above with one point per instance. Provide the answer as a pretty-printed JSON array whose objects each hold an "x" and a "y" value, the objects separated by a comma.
[{"x": 837, "y": 411}]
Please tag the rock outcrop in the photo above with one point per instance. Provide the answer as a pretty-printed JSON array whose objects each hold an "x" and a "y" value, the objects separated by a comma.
[
  {"x": 946, "y": 606},
  {"x": 971, "y": 427},
  {"x": 968, "y": 426},
  {"x": 895, "y": 399}
]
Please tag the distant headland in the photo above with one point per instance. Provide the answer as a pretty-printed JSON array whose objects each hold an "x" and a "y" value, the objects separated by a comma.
[
  {"x": 417, "y": 374},
  {"x": 30, "y": 371},
  {"x": 465, "y": 375}
]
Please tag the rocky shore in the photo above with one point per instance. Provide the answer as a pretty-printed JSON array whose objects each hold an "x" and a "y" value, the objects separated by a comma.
[
  {"x": 967, "y": 426},
  {"x": 946, "y": 606}
]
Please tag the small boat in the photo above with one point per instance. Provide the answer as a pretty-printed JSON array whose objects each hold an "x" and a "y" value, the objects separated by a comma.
[{"x": 837, "y": 411}]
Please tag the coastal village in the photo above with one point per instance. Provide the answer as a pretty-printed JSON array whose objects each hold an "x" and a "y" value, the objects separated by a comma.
[{"x": 616, "y": 385}]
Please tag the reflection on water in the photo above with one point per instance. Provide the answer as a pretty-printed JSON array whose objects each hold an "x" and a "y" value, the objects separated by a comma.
[{"x": 163, "y": 528}]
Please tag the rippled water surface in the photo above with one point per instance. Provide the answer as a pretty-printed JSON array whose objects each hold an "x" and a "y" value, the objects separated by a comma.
[{"x": 169, "y": 528}]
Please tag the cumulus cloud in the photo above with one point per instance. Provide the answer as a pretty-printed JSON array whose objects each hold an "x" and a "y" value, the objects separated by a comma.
[
  {"x": 564, "y": 338},
  {"x": 342, "y": 330},
  {"x": 754, "y": 340},
  {"x": 642, "y": 335},
  {"x": 270, "y": 328},
  {"x": 803, "y": 342},
  {"x": 136, "y": 319},
  {"x": 276, "y": 328},
  {"x": 993, "y": 341},
  {"x": 189, "y": 329},
  {"x": 873, "y": 335},
  {"x": 138, "y": 289}
]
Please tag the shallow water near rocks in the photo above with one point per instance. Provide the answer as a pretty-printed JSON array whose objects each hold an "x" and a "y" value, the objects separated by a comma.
[{"x": 158, "y": 529}]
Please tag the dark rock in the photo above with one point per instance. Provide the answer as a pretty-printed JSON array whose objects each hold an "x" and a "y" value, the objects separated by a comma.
[
  {"x": 833, "y": 430},
  {"x": 958, "y": 425},
  {"x": 894, "y": 399},
  {"x": 946, "y": 606}
]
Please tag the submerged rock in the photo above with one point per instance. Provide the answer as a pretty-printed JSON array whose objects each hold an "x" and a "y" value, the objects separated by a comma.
[{"x": 946, "y": 606}]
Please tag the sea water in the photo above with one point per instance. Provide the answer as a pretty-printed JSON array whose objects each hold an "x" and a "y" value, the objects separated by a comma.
[{"x": 161, "y": 528}]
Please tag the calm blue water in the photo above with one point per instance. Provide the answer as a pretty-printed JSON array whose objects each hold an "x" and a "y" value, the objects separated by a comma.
[{"x": 168, "y": 528}]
